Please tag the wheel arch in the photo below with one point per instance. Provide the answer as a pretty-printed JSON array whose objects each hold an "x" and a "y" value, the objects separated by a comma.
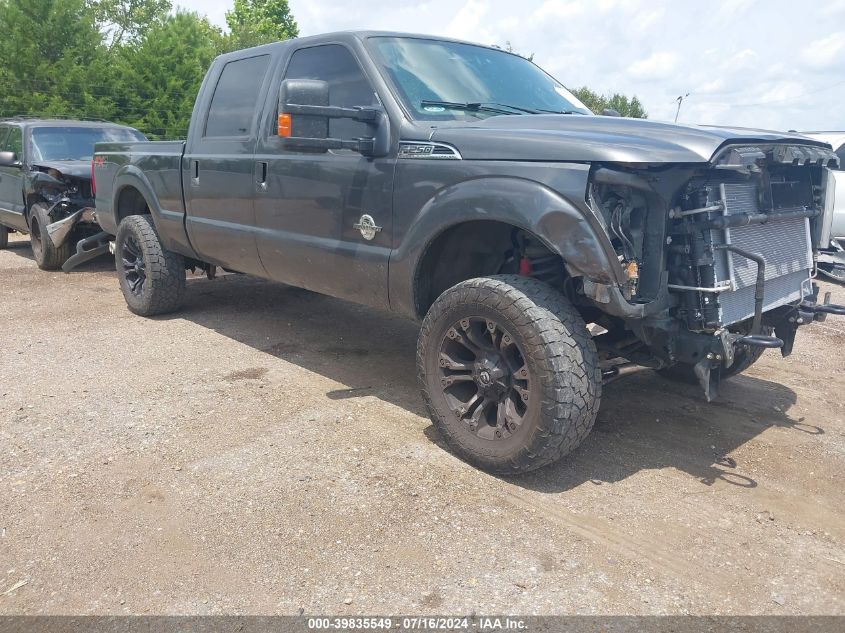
[
  {"x": 567, "y": 229},
  {"x": 131, "y": 188}
]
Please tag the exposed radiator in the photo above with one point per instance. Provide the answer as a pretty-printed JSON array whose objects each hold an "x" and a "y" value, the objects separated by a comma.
[{"x": 785, "y": 246}]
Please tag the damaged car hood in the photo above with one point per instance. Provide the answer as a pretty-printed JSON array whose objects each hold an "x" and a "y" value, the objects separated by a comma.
[
  {"x": 559, "y": 137},
  {"x": 73, "y": 168}
]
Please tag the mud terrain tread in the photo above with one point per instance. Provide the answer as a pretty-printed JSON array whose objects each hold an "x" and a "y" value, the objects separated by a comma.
[
  {"x": 164, "y": 288},
  {"x": 4, "y": 237},
  {"x": 564, "y": 355}
]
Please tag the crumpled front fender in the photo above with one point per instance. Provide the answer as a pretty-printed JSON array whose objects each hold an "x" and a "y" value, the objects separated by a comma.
[
  {"x": 568, "y": 228},
  {"x": 59, "y": 231}
]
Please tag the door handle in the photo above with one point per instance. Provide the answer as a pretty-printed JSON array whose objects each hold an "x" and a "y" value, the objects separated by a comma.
[
  {"x": 262, "y": 175},
  {"x": 195, "y": 173}
]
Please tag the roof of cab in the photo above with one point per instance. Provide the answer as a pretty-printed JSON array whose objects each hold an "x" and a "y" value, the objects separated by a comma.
[
  {"x": 353, "y": 34},
  {"x": 25, "y": 121}
]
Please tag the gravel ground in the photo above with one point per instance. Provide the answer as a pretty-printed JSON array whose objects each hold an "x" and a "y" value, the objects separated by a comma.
[{"x": 266, "y": 450}]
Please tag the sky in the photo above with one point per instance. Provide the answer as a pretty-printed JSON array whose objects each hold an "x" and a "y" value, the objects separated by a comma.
[{"x": 775, "y": 64}]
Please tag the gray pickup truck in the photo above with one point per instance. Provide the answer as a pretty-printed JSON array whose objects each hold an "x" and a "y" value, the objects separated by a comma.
[
  {"x": 45, "y": 186},
  {"x": 544, "y": 248}
]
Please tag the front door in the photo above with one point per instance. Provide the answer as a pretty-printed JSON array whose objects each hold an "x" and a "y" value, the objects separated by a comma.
[
  {"x": 309, "y": 205},
  {"x": 11, "y": 181},
  {"x": 217, "y": 169}
]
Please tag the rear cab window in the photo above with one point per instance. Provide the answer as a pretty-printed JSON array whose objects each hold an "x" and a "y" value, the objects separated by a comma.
[{"x": 233, "y": 106}]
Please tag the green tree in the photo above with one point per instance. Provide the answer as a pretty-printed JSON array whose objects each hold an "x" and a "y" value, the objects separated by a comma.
[
  {"x": 52, "y": 59},
  {"x": 126, "y": 20},
  {"x": 626, "y": 106},
  {"x": 128, "y": 61},
  {"x": 159, "y": 77},
  {"x": 254, "y": 22}
]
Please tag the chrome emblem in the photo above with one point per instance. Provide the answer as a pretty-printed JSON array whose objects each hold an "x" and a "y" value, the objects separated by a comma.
[
  {"x": 367, "y": 226},
  {"x": 484, "y": 377}
]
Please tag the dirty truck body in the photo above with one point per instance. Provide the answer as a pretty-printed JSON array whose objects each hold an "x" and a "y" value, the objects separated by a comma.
[
  {"x": 45, "y": 185},
  {"x": 461, "y": 185}
]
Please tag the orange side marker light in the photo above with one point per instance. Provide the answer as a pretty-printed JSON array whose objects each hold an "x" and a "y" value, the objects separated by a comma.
[{"x": 284, "y": 125}]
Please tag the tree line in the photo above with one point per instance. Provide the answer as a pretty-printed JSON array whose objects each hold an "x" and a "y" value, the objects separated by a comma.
[
  {"x": 130, "y": 61},
  {"x": 137, "y": 62}
]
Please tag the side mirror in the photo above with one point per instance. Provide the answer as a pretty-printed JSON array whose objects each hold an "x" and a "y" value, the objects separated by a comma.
[
  {"x": 303, "y": 92},
  {"x": 8, "y": 159},
  {"x": 610, "y": 112},
  {"x": 304, "y": 115}
]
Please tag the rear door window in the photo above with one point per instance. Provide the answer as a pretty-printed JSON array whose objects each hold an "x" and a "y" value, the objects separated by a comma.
[
  {"x": 348, "y": 86},
  {"x": 4, "y": 132},
  {"x": 233, "y": 105}
]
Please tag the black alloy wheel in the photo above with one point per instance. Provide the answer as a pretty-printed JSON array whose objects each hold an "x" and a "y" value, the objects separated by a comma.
[
  {"x": 484, "y": 377},
  {"x": 134, "y": 270}
]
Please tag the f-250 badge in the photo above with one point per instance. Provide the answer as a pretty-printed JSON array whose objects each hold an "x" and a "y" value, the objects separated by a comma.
[{"x": 367, "y": 226}]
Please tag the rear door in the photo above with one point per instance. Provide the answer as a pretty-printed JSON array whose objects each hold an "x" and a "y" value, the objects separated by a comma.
[
  {"x": 308, "y": 203},
  {"x": 11, "y": 181},
  {"x": 218, "y": 167}
]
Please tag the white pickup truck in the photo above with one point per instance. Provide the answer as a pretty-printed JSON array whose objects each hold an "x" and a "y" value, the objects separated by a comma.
[{"x": 832, "y": 260}]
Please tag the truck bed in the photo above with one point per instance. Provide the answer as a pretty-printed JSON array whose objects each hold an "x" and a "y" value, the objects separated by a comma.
[{"x": 156, "y": 164}]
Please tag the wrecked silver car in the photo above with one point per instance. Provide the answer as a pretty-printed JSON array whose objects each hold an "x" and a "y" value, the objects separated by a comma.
[{"x": 46, "y": 186}]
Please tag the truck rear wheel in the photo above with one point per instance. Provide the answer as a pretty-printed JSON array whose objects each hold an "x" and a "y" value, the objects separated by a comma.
[
  {"x": 509, "y": 373},
  {"x": 47, "y": 256},
  {"x": 4, "y": 237},
  {"x": 152, "y": 279}
]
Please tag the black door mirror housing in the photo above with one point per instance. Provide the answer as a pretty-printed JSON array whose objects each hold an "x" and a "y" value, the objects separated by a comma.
[
  {"x": 9, "y": 159},
  {"x": 303, "y": 92},
  {"x": 304, "y": 114}
]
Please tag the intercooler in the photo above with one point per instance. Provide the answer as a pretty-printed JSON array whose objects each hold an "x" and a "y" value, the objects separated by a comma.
[{"x": 785, "y": 245}]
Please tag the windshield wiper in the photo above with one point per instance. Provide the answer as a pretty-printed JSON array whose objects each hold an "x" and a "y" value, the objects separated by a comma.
[
  {"x": 496, "y": 108},
  {"x": 561, "y": 112},
  {"x": 492, "y": 106}
]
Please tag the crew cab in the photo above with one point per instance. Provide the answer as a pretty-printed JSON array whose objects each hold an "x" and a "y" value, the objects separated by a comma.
[
  {"x": 463, "y": 186},
  {"x": 45, "y": 184}
]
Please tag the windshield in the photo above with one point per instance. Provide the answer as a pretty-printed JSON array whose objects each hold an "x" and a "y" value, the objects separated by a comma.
[
  {"x": 76, "y": 143},
  {"x": 489, "y": 81}
]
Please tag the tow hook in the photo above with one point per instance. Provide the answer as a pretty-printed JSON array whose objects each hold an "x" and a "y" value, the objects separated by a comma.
[
  {"x": 761, "y": 340},
  {"x": 709, "y": 369},
  {"x": 820, "y": 311}
]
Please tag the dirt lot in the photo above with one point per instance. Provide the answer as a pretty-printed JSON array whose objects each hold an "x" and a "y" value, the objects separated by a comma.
[{"x": 266, "y": 451}]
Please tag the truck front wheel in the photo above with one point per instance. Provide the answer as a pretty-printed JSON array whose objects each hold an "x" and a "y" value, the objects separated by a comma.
[
  {"x": 47, "y": 256},
  {"x": 509, "y": 373},
  {"x": 152, "y": 279},
  {"x": 4, "y": 237}
]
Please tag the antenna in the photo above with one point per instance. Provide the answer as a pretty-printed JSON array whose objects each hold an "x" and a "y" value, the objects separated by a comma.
[{"x": 680, "y": 100}]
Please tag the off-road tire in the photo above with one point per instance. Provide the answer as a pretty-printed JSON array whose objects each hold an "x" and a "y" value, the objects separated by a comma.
[
  {"x": 163, "y": 287},
  {"x": 559, "y": 354},
  {"x": 47, "y": 256},
  {"x": 743, "y": 359},
  {"x": 4, "y": 237}
]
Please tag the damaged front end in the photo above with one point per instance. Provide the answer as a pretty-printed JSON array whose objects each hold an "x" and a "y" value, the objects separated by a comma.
[
  {"x": 720, "y": 261},
  {"x": 68, "y": 192}
]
